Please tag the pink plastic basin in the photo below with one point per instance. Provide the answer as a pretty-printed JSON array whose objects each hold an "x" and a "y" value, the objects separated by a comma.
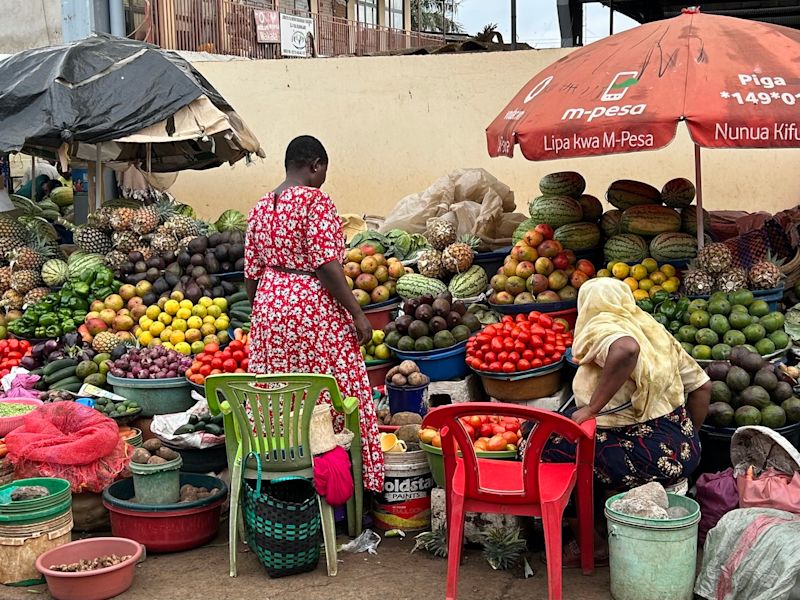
[
  {"x": 9, "y": 424},
  {"x": 90, "y": 585}
]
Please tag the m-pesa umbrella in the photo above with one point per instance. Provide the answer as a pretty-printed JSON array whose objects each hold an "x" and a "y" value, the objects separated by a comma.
[{"x": 735, "y": 83}]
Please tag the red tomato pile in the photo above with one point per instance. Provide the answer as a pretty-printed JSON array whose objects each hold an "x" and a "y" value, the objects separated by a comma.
[
  {"x": 11, "y": 353},
  {"x": 519, "y": 344},
  {"x": 488, "y": 433},
  {"x": 213, "y": 361}
]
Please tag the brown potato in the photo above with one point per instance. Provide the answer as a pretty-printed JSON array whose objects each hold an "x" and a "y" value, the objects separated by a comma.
[
  {"x": 406, "y": 418},
  {"x": 399, "y": 379},
  {"x": 156, "y": 460},
  {"x": 167, "y": 453},
  {"x": 140, "y": 456},
  {"x": 152, "y": 445},
  {"x": 408, "y": 433},
  {"x": 407, "y": 367}
]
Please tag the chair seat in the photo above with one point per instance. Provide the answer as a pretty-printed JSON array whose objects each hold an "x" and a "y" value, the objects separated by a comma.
[{"x": 504, "y": 477}]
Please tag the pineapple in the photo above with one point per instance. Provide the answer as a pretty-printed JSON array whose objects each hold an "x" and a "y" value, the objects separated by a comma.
[
  {"x": 503, "y": 548},
  {"x": 697, "y": 282},
  {"x": 164, "y": 240},
  {"x": 23, "y": 281},
  {"x": 146, "y": 252},
  {"x": 102, "y": 219},
  {"x": 11, "y": 300},
  {"x": 146, "y": 219},
  {"x": 11, "y": 227},
  {"x": 8, "y": 245},
  {"x": 122, "y": 219},
  {"x": 5, "y": 279},
  {"x": 434, "y": 541},
  {"x": 429, "y": 264},
  {"x": 35, "y": 295},
  {"x": 105, "y": 341},
  {"x": 441, "y": 233},
  {"x": 714, "y": 258},
  {"x": 181, "y": 227},
  {"x": 92, "y": 239},
  {"x": 458, "y": 257},
  {"x": 183, "y": 244},
  {"x": 766, "y": 274},
  {"x": 124, "y": 241},
  {"x": 731, "y": 281},
  {"x": 34, "y": 254},
  {"x": 115, "y": 258}
]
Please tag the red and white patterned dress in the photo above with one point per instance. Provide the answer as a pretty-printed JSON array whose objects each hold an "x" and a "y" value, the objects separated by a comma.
[{"x": 297, "y": 325}]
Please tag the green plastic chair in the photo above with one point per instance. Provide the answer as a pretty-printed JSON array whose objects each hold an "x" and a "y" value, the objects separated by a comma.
[{"x": 286, "y": 403}]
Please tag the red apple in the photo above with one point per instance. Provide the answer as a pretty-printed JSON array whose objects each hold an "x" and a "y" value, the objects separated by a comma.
[
  {"x": 587, "y": 267},
  {"x": 546, "y": 231},
  {"x": 561, "y": 261}
]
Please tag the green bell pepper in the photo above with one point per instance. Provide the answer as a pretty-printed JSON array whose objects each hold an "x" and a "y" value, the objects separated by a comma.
[
  {"x": 81, "y": 288},
  {"x": 104, "y": 278},
  {"x": 53, "y": 331},
  {"x": 68, "y": 326},
  {"x": 660, "y": 296},
  {"x": 661, "y": 319},
  {"x": 102, "y": 293},
  {"x": 40, "y": 332},
  {"x": 683, "y": 304},
  {"x": 48, "y": 319},
  {"x": 674, "y": 326},
  {"x": 646, "y": 305}
]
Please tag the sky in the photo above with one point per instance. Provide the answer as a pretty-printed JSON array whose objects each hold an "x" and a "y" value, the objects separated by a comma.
[{"x": 537, "y": 22}]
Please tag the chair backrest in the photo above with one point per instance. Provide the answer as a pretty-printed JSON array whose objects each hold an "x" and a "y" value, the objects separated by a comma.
[
  {"x": 270, "y": 415},
  {"x": 546, "y": 424}
]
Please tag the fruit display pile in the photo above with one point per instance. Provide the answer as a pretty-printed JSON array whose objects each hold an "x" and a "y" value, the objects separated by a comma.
[
  {"x": 376, "y": 349},
  {"x": 646, "y": 279},
  {"x": 372, "y": 277},
  {"x": 539, "y": 270},
  {"x": 178, "y": 323},
  {"x": 150, "y": 363},
  {"x": 12, "y": 353},
  {"x": 429, "y": 323},
  {"x": 489, "y": 433},
  {"x": 750, "y": 391},
  {"x": 519, "y": 344},
  {"x": 213, "y": 361},
  {"x": 710, "y": 329}
]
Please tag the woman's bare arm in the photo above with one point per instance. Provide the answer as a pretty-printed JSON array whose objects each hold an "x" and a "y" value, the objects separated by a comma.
[
  {"x": 331, "y": 276},
  {"x": 250, "y": 286},
  {"x": 697, "y": 404}
]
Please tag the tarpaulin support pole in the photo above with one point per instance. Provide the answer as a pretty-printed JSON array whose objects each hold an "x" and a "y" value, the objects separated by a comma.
[{"x": 698, "y": 184}]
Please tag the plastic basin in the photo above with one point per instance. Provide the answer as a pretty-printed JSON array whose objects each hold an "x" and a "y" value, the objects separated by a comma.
[
  {"x": 155, "y": 396},
  {"x": 521, "y": 387},
  {"x": 36, "y": 509},
  {"x": 543, "y": 307},
  {"x": 206, "y": 460},
  {"x": 380, "y": 314},
  {"x": 716, "y": 443},
  {"x": 440, "y": 365},
  {"x": 157, "y": 484},
  {"x": 436, "y": 460},
  {"x": 491, "y": 261},
  {"x": 9, "y": 424},
  {"x": 169, "y": 527},
  {"x": 90, "y": 585}
]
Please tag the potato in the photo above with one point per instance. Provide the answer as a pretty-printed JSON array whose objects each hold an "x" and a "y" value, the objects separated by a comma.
[
  {"x": 406, "y": 418},
  {"x": 407, "y": 367},
  {"x": 399, "y": 380},
  {"x": 152, "y": 445},
  {"x": 408, "y": 433},
  {"x": 392, "y": 372},
  {"x": 140, "y": 456},
  {"x": 156, "y": 460},
  {"x": 167, "y": 453},
  {"x": 416, "y": 379}
]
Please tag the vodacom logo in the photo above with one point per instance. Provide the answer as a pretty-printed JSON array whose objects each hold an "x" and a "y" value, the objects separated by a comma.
[{"x": 538, "y": 89}]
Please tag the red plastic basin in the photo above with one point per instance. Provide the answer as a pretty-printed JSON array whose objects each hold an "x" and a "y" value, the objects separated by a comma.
[{"x": 90, "y": 585}]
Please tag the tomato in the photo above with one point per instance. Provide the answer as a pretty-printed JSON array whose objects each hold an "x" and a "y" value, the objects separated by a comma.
[
  {"x": 560, "y": 349},
  {"x": 469, "y": 430},
  {"x": 502, "y": 357},
  {"x": 498, "y": 429},
  {"x": 536, "y": 342},
  {"x": 483, "y": 339},
  {"x": 238, "y": 356},
  {"x": 509, "y": 367},
  {"x": 540, "y": 353},
  {"x": 523, "y": 365},
  {"x": 545, "y": 321},
  {"x": 235, "y": 345},
  {"x": 490, "y": 357},
  {"x": 513, "y": 356},
  {"x": 519, "y": 318},
  {"x": 205, "y": 370},
  {"x": 507, "y": 319},
  {"x": 536, "y": 363},
  {"x": 508, "y": 344},
  {"x": 512, "y": 425},
  {"x": 534, "y": 315},
  {"x": 494, "y": 366},
  {"x": 496, "y": 443},
  {"x": 524, "y": 337},
  {"x": 528, "y": 354},
  {"x": 230, "y": 365},
  {"x": 486, "y": 430},
  {"x": 497, "y": 344},
  {"x": 475, "y": 421},
  {"x": 245, "y": 364},
  {"x": 559, "y": 327},
  {"x": 15, "y": 355},
  {"x": 557, "y": 357},
  {"x": 212, "y": 348},
  {"x": 13, "y": 344},
  {"x": 484, "y": 366},
  {"x": 519, "y": 346},
  {"x": 548, "y": 361}
]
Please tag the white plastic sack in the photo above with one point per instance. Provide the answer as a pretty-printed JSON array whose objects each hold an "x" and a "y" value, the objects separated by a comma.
[
  {"x": 164, "y": 425},
  {"x": 473, "y": 200}
]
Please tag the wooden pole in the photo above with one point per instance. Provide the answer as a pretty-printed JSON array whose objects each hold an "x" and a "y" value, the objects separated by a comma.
[
  {"x": 698, "y": 184},
  {"x": 513, "y": 24}
]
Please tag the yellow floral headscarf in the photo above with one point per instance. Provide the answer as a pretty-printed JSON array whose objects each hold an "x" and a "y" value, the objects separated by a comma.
[{"x": 607, "y": 312}]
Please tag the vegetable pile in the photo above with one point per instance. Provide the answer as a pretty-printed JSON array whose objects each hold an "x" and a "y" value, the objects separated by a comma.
[
  {"x": 489, "y": 433},
  {"x": 203, "y": 422},
  {"x": 396, "y": 242},
  {"x": 153, "y": 452},
  {"x": 150, "y": 363},
  {"x": 213, "y": 361},
  {"x": 12, "y": 409},
  {"x": 12, "y": 353},
  {"x": 101, "y": 562},
  {"x": 517, "y": 345},
  {"x": 406, "y": 374}
]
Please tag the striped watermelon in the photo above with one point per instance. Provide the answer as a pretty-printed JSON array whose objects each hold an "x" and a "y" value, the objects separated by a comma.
[
  {"x": 578, "y": 236},
  {"x": 469, "y": 284},
  {"x": 565, "y": 183},
  {"x": 673, "y": 246},
  {"x": 609, "y": 222},
  {"x": 624, "y": 193},
  {"x": 626, "y": 247},
  {"x": 650, "y": 219},
  {"x": 414, "y": 286},
  {"x": 592, "y": 208},
  {"x": 555, "y": 210},
  {"x": 689, "y": 220},
  {"x": 678, "y": 193},
  {"x": 80, "y": 263}
]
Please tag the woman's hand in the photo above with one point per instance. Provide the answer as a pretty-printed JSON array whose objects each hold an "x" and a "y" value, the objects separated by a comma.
[
  {"x": 363, "y": 329},
  {"x": 583, "y": 414}
]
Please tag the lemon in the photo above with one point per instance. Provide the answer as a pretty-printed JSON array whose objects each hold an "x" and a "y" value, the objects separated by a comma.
[
  {"x": 156, "y": 342},
  {"x": 221, "y": 324},
  {"x": 221, "y": 302},
  {"x": 145, "y": 323},
  {"x": 620, "y": 270},
  {"x": 152, "y": 312},
  {"x": 672, "y": 285},
  {"x": 194, "y": 322},
  {"x": 214, "y": 311},
  {"x": 211, "y": 339},
  {"x": 192, "y": 335},
  {"x": 639, "y": 272},
  {"x": 650, "y": 264},
  {"x": 165, "y": 335},
  {"x": 171, "y": 307},
  {"x": 639, "y": 295},
  {"x": 655, "y": 289},
  {"x": 178, "y": 296},
  {"x": 187, "y": 304},
  {"x": 183, "y": 313},
  {"x": 209, "y": 319},
  {"x": 137, "y": 331},
  {"x": 199, "y": 311},
  {"x": 183, "y": 348},
  {"x": 165, "y": 318},
  {"x": 177, "y": 337},
  {"x": 205, "y": 301},
  {"x": 646, "y": 284},
  {"x": 223, "y": 337},
  {"x": 145, "y": 338},
  {"x": 658, "y": 277},
  {"x": 668, "y": 270},
  {"x": 631, "y": 283},
  {"x": 208, "y": 329},
  {"x": 179, "y": 325},
  {"x": 610, "y": 265},
  {"x": 168, "y": 346},
  {"x": 604, "y": 273},
  {"x": 197, "y": 347},
  {"x": 156, "y": 328}
]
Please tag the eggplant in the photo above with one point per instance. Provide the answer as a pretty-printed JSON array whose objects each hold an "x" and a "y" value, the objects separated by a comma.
[
  {"x": 57, "y": 355},
  {"x": 28, "y": 362},
  {"x": 38, "y": 351},
  {"x": 118, "y": 352},
  {"x": 50, "y": 346}
]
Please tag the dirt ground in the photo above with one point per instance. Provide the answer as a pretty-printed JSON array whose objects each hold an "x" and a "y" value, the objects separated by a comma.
[{"x": 394, "y": 574}]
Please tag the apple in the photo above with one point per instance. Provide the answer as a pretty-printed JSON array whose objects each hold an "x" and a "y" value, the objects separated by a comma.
[
  {"x": 503, "y": 298},
  {"x": 587, "y": 267},
  {"x": 578, "y": 278},
  {"x": 546, "y": 231},
  {"x": 560, "y": 261},
  {"x": 515, "y": 285},
  {"x": 571, "y": 256},
  {"x": 533, "y": 238},
  {"x": 498, "y": 282},
  {"x": 537, "y": 283},
  {"x": 557, "y": 279},
  {"x": 544, "y": 266},
  {"x": 549, "y": 248},
  {"x": 525, "y": 269}
]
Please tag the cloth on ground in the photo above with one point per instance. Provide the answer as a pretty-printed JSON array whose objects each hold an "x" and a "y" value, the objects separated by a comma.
[{"x": 333, "y": 477}]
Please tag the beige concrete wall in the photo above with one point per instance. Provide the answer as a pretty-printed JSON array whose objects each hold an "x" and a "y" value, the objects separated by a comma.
[
  {"x": 392, "y": 125},
  {"x": 28, "y": 24}
]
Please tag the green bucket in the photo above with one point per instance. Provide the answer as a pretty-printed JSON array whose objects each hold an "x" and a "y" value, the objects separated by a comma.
[
  {"x": 652, "y": 559},
  {"x": 155, "y": 396},
  {"x": 157, "y": 484}
]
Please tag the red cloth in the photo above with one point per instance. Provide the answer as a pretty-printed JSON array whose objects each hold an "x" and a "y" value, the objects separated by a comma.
[{"x": 333, "y": 477}]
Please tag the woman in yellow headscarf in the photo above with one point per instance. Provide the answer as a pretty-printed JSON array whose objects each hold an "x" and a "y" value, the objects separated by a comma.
[{"x": 648, "y": 395}]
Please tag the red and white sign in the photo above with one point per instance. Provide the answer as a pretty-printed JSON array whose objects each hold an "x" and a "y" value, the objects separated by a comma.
[{"x": 268, "y": 26}]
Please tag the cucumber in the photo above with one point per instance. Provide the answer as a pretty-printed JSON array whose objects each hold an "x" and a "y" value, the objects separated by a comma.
[
  {"x": 58, "y": 365},
  {"x": 61, "y": 374},
  {"x": 68, "y": 387},
  {"x": 188, "y": 428},
  {"x": 243, "y": 305},
  {"x": 69, "y": 381},
  {"x": 214, "y": 429},
  {"x": 237, "y": 297},
  {"x": 240, "y": 314},
  {"x": 38, "y": 372}
]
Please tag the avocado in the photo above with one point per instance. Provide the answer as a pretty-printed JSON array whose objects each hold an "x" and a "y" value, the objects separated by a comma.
[
  {"x": 406, "y": 344},
  {"x": 418, "y": 329},
  {"x": 766, "y": 378},
  {"x": 747, "y": 415},
  {"x": 792, "y": 409},
  {"x": 443, "y": 339},
  {"x": 423, "y": 344},
  {"x": 471, "y": 321},
  {"x": 782, "y": 391},
  {"x": 773, "y": 416},
  {"x": 720, "y": 392},
  {"x": 423, "y": 313},
  {"x": 440, "y": 307},
  {"x": 460, "y": 333},
  {"x": 402, "y": 323},
  {"x": 184, "y": 429},
  {"x": 438, "y": 324},
  {"x": 737, "y": 379},
  {"x": 720, "y": 414},
  {"x": 756, "y": 396}
]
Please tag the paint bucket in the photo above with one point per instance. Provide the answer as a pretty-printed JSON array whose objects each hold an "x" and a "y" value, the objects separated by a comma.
[{"x": 405, "y": 502}]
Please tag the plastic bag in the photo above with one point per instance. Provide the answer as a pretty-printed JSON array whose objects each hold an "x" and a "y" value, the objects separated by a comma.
[
  {"x": 366, "y": 542},
  {"x": 717, "y": 495},
  {"x": 771, "y": 489},
  {"x": 164, "y": 425},
  {"x": 19, "y": 384},
  {"x": 70, "y": 441}
]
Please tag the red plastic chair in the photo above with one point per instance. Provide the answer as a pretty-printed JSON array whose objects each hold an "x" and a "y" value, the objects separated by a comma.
[{"x": 528, "y": 488}]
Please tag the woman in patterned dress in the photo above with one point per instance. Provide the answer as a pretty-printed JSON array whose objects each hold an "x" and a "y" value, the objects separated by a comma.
[{"x": 305, "y": 318}]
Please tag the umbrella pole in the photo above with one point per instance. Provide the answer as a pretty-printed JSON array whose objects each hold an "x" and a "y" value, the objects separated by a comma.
[
  {"x": 34, "y": 191},
  {"x": 98, "y": 179},
  {"x": 698, "y": 184}
]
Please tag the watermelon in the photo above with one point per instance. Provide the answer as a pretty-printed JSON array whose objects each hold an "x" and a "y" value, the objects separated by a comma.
[
  {"x": 678, "y": 193},
  {"x": 55, "y": 272},
  {"x": 609, "y": 222},
  {"x": 592, "y": 208},
  {"x": 555, "y": 210},
  {"x": 650, "y": 219},
  {"x": 470, "y": 283},
  {"x": 673, "y": 246},
  {"x": 565, "y": 183},
  {"x": 626, "y": 247},
  {"x": 578, "y": 236},
  {"x": 79, "y": 263},
  {"x": 624, "y": 193},
  {"x": 689, "y": 220},
  {"x": 414, "y": 286},
  {"x": 231, "y": 220}
]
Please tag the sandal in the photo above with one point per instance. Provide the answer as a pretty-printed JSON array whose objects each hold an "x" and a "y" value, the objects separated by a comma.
[{"x": 571, "y": 556}]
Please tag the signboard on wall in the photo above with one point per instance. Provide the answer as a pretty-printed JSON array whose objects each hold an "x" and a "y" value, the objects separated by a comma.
[
  {"x": 296, "y": 36},
  {"x": 268, "y": 28}
]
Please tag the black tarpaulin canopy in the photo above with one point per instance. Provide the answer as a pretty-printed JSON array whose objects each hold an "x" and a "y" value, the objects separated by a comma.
[{"x": 132, "y": 100}]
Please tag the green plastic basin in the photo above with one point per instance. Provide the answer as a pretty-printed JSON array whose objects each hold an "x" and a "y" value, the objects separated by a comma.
[{"x": 155, "y": 396}]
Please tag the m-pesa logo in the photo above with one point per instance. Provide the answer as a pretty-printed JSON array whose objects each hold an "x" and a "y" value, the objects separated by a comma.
[{"x": 616, "y": 90}]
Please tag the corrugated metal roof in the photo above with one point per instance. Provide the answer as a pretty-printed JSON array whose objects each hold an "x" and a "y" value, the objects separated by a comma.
[{"x": 778, "y": 12}]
